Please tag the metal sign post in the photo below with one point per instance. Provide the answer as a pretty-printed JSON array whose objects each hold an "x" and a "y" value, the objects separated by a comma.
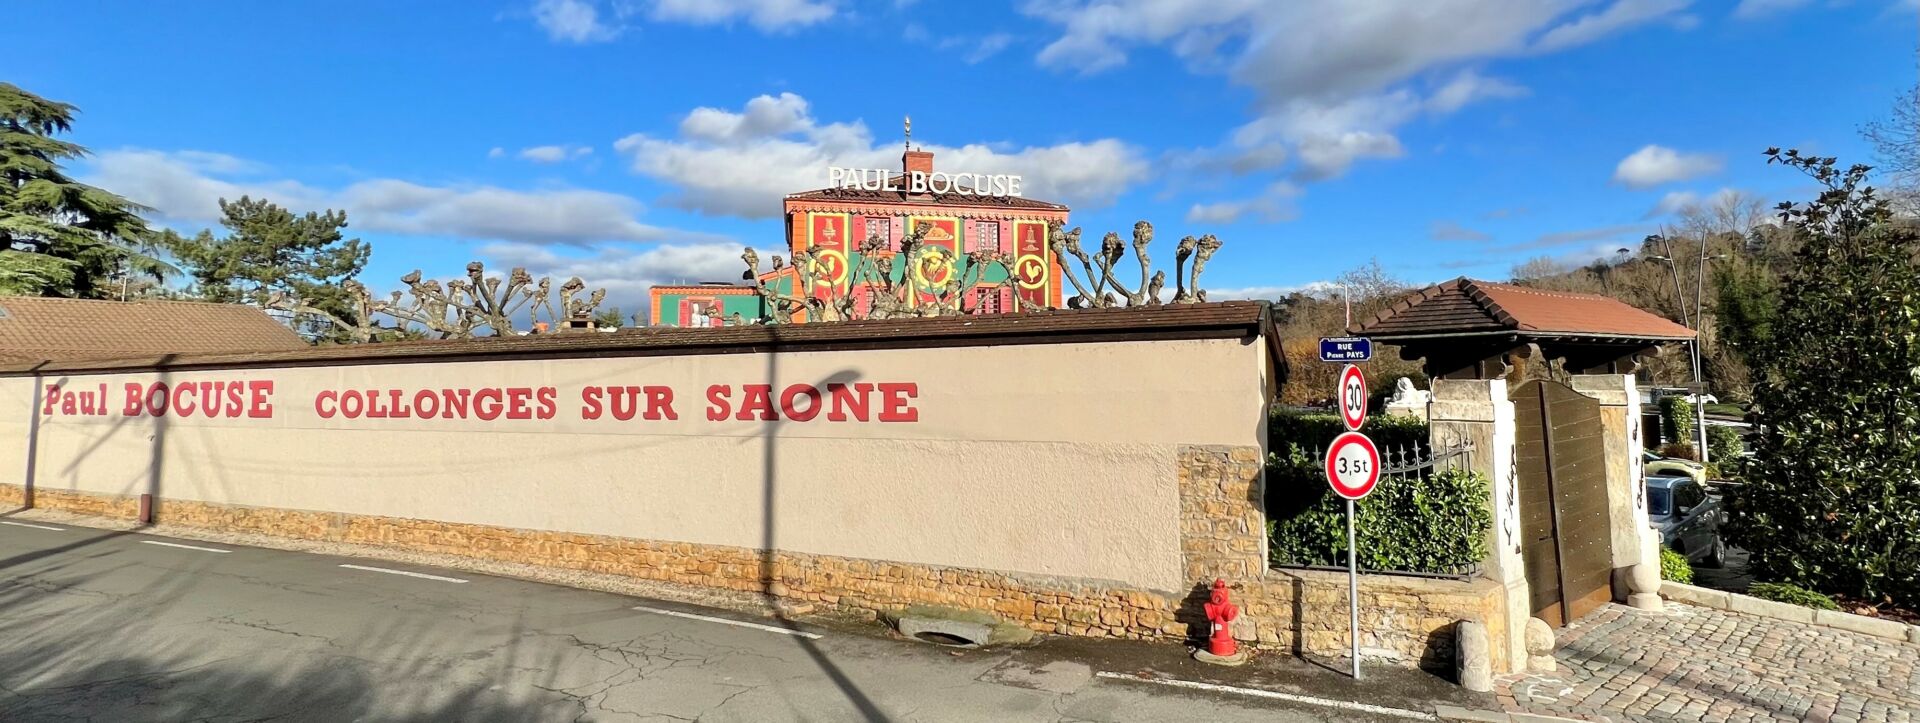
[
  {"x": 1353, "y": 468},
  {"x": 1353, "y": 590}
]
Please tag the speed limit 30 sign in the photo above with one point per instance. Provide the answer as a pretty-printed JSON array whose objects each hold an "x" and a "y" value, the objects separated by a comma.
[
  {"x": 1353, "y": 465},
  {"x": 1353, "y": 397}
]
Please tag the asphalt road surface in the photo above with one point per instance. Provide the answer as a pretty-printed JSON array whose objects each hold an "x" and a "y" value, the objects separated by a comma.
[{"x": 119, "y": 626}]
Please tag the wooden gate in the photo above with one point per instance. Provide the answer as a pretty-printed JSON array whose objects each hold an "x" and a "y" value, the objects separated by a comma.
[{"x": 1560, "y": 459}]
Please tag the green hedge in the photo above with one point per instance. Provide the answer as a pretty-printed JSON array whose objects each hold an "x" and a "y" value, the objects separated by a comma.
[
  {"x": 1792, "y": 595},
  {"x": 1674, "y": 567},
  {"x": 1435, "y": 523},
  {"x": 1676, "y": 419}
]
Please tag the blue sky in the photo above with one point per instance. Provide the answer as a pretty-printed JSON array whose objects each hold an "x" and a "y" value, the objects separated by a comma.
[{"x": 635, "y": 142}]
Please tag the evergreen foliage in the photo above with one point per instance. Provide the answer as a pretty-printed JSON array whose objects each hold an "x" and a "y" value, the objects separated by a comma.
[
  {"x": 1792, "y": 595},
  {"x": 59, "y": 237},
  {"x": 1676, "y": 419},
  {"x": 270, "y": 251},
  {"x": 1674, "y": 567},
  {"x": 1832, "y": 500},
  {"x": 1434, "y": 523}
]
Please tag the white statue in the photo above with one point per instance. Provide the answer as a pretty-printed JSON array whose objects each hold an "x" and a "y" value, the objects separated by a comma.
[{"x": 1408, "y": 400}]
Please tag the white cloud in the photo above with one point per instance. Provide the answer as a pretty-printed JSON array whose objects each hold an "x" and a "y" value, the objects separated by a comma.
[
  {"x": 573, "y": 21},
  {"x": 973, "y": 50},
  {"x": 625, "y": 272},
  {"x": 740, "y": 163},
  {"x": 553, "y": 154},
  {"x": 1273, "y": 205},
  {"x": 496, "y": 152},
  {"x": 765, "y": 15},
  {"x": 1678, "y": 201},
  {"x": 1335, "y": 79},
  {"x": 1311, "y": 288},
  {"x": 1593, "y": 26},
  {"x": 1444, "y": 230},
  {"x": 1467, "y": 87},
  {"x": 185, "y": 188},
  {"x": 1757, "y": 9},
  {"x": 1654, "y": 165}
]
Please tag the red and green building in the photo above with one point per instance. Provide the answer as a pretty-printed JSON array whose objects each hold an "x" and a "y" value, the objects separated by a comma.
[{"x": 837, "y": 220}]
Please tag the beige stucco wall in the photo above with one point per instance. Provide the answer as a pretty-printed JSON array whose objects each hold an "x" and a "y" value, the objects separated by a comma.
[{"x": 1046, "y": 459}]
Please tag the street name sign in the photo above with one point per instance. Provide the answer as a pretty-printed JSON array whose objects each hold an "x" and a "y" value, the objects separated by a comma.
[{"x": 1345, "y": 349}]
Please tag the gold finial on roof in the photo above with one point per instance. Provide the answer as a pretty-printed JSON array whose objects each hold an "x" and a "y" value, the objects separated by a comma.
[{"x": 907, "y": 123}]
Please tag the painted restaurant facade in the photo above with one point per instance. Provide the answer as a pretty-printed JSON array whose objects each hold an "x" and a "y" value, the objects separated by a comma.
[{"x": 963, "y": 213}]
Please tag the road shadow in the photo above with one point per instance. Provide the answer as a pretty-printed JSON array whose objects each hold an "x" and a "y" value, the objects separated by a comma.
[{"x": 770, "y": 439}]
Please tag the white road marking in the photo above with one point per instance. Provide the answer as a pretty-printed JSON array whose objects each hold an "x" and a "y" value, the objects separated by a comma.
[
  {"x": 37, "y": 527},
  {"x": 421, "y": 575},
  {"x": 724, "y": 621},
  {"x": 183, "y": 547},
  {"x": 1276, "y": 695}
]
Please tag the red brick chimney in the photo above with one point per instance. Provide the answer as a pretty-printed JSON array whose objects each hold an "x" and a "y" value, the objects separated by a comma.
[{"x": 917, "y": 162}]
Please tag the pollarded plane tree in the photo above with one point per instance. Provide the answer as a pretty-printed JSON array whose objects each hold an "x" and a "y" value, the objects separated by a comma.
[
  {"x": 1107, "y": 290},
  {"x": 462, "y": 308}
]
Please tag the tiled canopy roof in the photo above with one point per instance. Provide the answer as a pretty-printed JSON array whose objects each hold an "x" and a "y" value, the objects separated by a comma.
[
  {"x": 1472, "y": 308},
  {"x": 34, "y": 329}
]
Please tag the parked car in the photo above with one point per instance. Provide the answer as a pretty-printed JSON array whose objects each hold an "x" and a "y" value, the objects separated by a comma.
[
  {"x": 1688, "y": 518},
  {"x": 1658, "y": 466}
]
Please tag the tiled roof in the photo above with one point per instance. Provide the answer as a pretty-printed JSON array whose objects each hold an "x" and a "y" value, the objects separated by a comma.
[
  {"x": 34, "y": 329},
  {"x": 1467, "y": 307},
  {"x": 856, "y": 195},
  {"x": 1235, "y": 319}
]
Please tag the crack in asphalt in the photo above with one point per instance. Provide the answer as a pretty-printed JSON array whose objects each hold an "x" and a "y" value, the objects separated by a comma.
[{"x": 233, "y": 619}]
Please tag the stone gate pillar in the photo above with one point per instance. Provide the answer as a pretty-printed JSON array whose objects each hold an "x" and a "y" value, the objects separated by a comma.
[
  {"x": 1634, "y": 541},
  {"x": 1478, "y": 411}
]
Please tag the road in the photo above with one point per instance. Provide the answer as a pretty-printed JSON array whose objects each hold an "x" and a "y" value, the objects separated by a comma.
[{"x": 122, "y": 626}]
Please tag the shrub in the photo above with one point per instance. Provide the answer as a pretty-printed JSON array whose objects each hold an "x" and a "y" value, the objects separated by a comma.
[
  {"x": 1435, "y": 523},
  {"x": 1674, "y": 567},
  {"x": 1678, "y": 450},
  {"x": 1314, "y": 432},
  {"x": 1832, "y": 494},
  {"x": 1676, "y": 419},
  {"x": 1791, "y": 594},
  {"x": 1725, "y": 447}
]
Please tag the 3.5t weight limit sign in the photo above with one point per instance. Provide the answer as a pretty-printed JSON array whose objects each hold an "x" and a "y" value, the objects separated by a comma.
[
  {"x": 1353, "y": 465},
  {"x": 1353, "y": 397}
]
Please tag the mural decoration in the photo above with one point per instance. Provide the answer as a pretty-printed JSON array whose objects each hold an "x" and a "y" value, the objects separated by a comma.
[{"x": 929, "y": 275}]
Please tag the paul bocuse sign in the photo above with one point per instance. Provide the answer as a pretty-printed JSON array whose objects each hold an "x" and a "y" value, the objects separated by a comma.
[
  {"x": 254, "y": 399},
  {"x": 965, "y": 184}
]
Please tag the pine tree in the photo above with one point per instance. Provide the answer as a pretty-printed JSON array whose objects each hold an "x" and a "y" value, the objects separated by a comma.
[
  {"x": 1833, "y": 494},
  {"x": 271, "y": 252},
  {"x": 59, "y": 236}
]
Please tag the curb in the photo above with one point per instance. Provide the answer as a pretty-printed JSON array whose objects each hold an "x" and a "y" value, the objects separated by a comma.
[
  {"x": 1737, "y": 603},
  {"x": 1454, "y": 713}
]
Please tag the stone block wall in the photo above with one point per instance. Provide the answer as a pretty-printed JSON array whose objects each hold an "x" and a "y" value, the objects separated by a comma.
[{"x": 1403, "y": 620}]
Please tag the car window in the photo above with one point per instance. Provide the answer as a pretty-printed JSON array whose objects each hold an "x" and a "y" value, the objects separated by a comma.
[
  {"x": 1688, "y": 495},
  {"x": 1659, "y": 502}
]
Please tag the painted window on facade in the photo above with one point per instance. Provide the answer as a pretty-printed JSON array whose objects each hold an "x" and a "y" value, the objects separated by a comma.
[
  {"x": 988, "y": 301},
  {"x": 882, "y": 227},
  {"x": 986, "y": 236}
]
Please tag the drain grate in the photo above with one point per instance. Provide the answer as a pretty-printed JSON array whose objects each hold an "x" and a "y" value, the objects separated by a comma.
[{"x": 949, "y": 639}]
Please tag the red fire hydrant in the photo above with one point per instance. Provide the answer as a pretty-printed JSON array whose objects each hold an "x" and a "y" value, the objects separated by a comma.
[{"x": 1221, "y": 612}]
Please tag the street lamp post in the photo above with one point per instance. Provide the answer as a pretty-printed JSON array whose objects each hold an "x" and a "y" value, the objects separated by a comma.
[{"x": 1697, "y": 320}]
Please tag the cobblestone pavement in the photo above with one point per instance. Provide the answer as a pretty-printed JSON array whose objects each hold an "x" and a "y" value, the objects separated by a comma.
[{"x": 1696, "y": 664}]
